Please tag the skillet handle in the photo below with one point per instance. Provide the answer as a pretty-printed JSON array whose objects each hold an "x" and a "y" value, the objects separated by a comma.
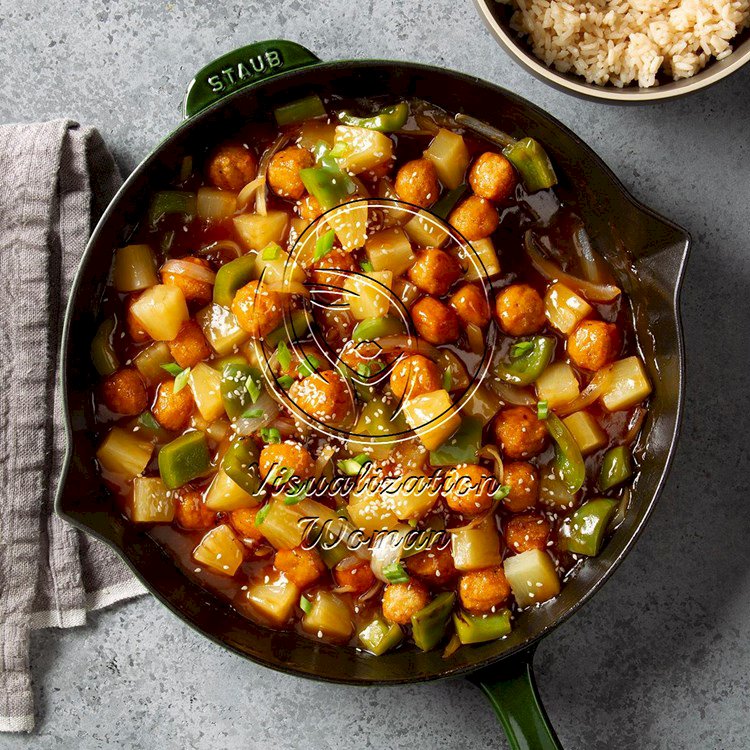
[
  {"x": 243, "y": 67},
  {"x": 512, "y": 690}
]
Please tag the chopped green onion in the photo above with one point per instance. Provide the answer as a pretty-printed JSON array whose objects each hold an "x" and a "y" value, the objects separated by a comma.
[
  {"x": 271, "y": 252},
  {"x": 283, "y": 355},
  {"x": 296, "y": 494},
  {"x": 324, "y": 245},
  {"x": 340, "y": 150},
  {"x": 260, "y": 516},
  {"x": 351, "y": 466},
  {"x": 253, "y": 388},
  {"x": 542, "y": 410},
  {"x": 148, "y": 421},
  {"x": 171, "y": 202},
  {"x": 181, "y": 380},
  {"x": 285, "y": 382},
  {"x": 501, "y": 492},
  {"x": 252, "y": 414},
  {"x": 308, "y": 366},
  {"x": 172, "y": 368},
  {"x": 298, "y": 111},
  {"x": 447, "y": 380},
  {"x": 366, "y": 266},
  {"x": 521, "y": 348},
  {"x": 305, "y": 604},
  {"x": 364, "y": 370},
  {"x": 270, "y": 435},
  {"x": 395, "y": 573}
]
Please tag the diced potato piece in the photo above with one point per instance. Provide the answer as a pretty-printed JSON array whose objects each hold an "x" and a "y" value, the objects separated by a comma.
[
  {"x": 314, "y": 131},
  {"x": 364, "y": 148},
  {"x": 557, "y": 385},
  {"x": 124, "y": 453},
  {"x": 221, "y": 329},
  {"x": 225, "y": 494},
  {"x": 152, "y": 502},
  {"x": 149, "y": 362},
  {"x": 564, "y": 308},
  {"x": 450, "y": 156},
  {"x": 532, "y": 577},
  {"x": 215, "y": 204},
  {"x": 161, "y": 310},
  {"x": 585, "y": 431},
  {"x": 366, "y": 299},
  {"x": 390, "y": 250},
  {"x": 476, "y": 548},
  {"x": 274, "y": 601},
  {"x": 349, "y": 221},
  {"x": 278, "y": 269},
  {"x": 134, "y": 268},
  {"x": 220, "y": 550},
  {"x": 629, "y": 385},
  {"x": 425, "y": 230},
  {"x": 411, "y": 496},
  {"x": 205, "y": 383},
  {"x": 554, "y": 492},
  {"x": 256, "y": 231},
  {"x": 422, "y": 410},
  {"x": 485, "y": 252},
  {"x": 329, "y": 617}
]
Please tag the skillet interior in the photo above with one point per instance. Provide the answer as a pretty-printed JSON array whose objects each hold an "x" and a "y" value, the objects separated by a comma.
[{"x": 647, "y": 251}]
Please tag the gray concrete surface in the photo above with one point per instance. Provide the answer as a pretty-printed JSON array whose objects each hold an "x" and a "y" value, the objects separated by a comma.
[{"x": 661, "y": 657}]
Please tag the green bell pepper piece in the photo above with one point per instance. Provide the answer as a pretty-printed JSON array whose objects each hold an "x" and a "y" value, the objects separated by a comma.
[
  {"x": 331, "y": 550},
  {"x": 461, "y": 447},
  {"x": 387, "y": 120},
  {"x": 300, "y": 110},
  {"x": 376, "y": 420},
  {"x": 568, "y": 458},
  {"x": 230, "y": 277},
  {"x": 234, "y": 393},
  {"x": 583, "y": 532},
  {"x": 372, "y": 329},
  {"x": 299, "y": 325},
  {"x": 379, "y": 636},
  {"x": 103, "y": 353},
  {"x": 229, "y": 359},
  {"x": 531, "y": 160},
  {"x": 428, "y": 625},
  {"x": 525, "y": 369},
  {"x": 168, "y": 202},
  {"x": 477, "y": 629},
  {"x": 327, "y": 184},
  {"x": 184, "y": 459},
  {"x": 448, "y": 202},
  {"x": 240, "y": 464},
  {"x": 617, "y": 466}
]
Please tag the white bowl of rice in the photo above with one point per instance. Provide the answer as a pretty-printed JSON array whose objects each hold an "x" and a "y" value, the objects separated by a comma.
[{"x": 624, "y": 50}]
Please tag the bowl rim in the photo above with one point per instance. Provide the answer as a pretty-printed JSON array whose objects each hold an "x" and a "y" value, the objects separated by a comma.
[
  {"x": 608, "y": 94},
  {"x": 460, "y": 670}
]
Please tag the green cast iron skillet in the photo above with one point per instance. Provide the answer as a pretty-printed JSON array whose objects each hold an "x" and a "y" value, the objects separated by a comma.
[{"x": 647, "y": 252}]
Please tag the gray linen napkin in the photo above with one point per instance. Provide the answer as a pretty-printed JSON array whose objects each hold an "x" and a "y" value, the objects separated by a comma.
[{"x": 55, "y": 180}]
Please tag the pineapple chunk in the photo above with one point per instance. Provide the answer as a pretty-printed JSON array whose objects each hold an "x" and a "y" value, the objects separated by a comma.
[
  {"x": 477, "y": 548},
  {"x": 256, "y": 231},
  {"x": 485, "y": 252},
  {"x": 425, "y": 231},
  {"x": 275, "y": 601},
  {"x": 278, "y": 269},
  {"x": 367, "y": 299},
  {"x": 329, "y": 617},
  {"x": 225, "y": 494},
  {"x": 281, "y": 526},
  {"x": 390, "y": 250},
  {"x": 450, "y": 156},
  {"x": 532, "y": 577},
  {"x": 411, "y": 496},
  {"x": 161, "y": 310},
  {"x": 205, "y": 383},
  {"x": 557, "y": 385},
  {"x": 214, "y": 204},
  {"x": 370, "y": 512},
  {"x": 149, "y": 362},
  {"x": 364, "y": 148},
  {"x": 134, "y": 269},
  {"x": 123, "y": 453},
  {"x": 564, "y": 308},
  {"x": 585, "y": 431},
  {"x": 433, "y": 417},
  {"x": 629, "y": 385},
  {"x": 152, "y": 502},
  {"x": 221, "y": 329},
  {"x": 392, "y": 214},
  {"x": 220, "y": 550},
  {"x": 349, "y": 221}
]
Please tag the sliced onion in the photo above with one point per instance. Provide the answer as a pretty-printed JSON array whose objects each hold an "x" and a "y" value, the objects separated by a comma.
[
  {"x": 265, "y": 160},
  {"x": 590, "y": 264},
  {"x": 246, "y": 194},
  {"x": 511, "y": 394},
  {"x": 599, "y": 383},
  {"x": 249, "y": 425},
  {"x": 289, "y": 428},
  {"x": 552, "y": 272},
  {"x": 190, "y": 270},
  {"x": 475, "y": 336},
  {"x": 492, "y": 134},
  {"x": 639, "y": 415},
  {"x": 622, "y": 509},
  {"x": 371, "y": 592},
  {"x": 493, "y": 454},
  {"x": 217, "y": 247},
  {"x": 409, "y": 343},
  {"x": 387, "y": 550},
  {"x": 453, "y": 645},
  {"x": 327, "y": 452}
]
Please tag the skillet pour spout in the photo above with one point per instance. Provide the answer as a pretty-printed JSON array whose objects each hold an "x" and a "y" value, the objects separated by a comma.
[{"x": 647, "y": 252}]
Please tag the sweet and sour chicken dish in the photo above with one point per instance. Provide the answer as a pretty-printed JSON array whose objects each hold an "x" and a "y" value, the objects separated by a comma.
[{"x": 364, "y": 375}]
